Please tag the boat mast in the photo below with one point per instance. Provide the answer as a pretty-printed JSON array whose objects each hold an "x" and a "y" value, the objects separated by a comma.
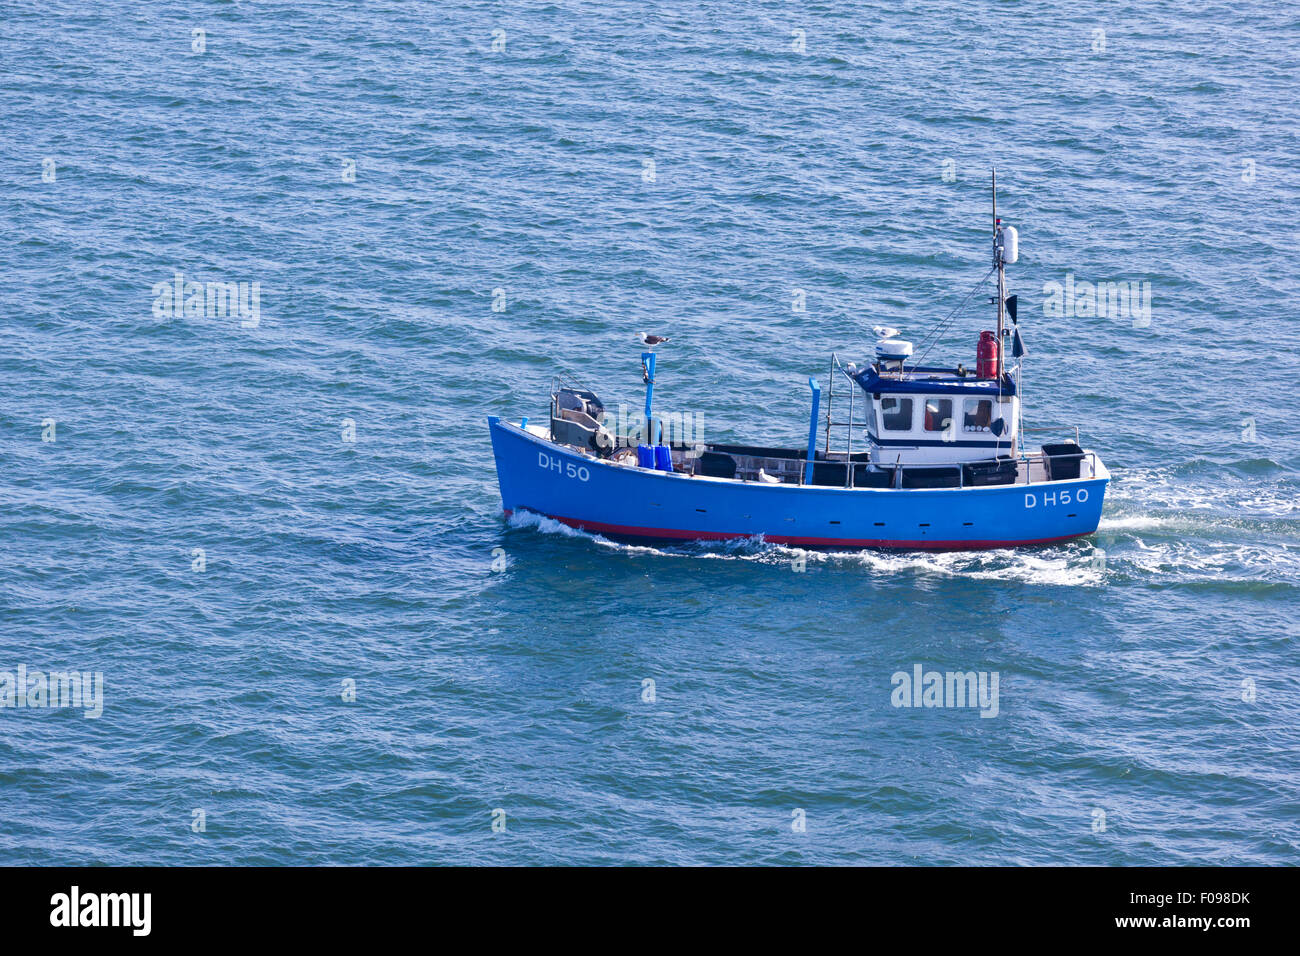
[
  {"x": 999, "y": 261},
  {"x": 1002, "y": 276}
]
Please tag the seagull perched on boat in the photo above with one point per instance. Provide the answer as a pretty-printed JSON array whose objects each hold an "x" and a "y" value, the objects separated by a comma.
[{"x": 651, "y": 340}]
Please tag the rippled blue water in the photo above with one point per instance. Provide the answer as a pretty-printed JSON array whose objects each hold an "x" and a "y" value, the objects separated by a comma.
[{"x": 1160, "y": 151}]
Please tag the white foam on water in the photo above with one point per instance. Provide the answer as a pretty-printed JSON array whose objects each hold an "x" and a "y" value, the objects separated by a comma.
[
  {"x": 1197, "y": 522},
  {"x": 1070, "y": 565},
  {"x": 1155, "y": 489},
  {"x": 1167, "y": 547},
  {"x": 1220, "y": 561},
  {"x": 529, "y": 519},
  {"x": 1073, "y": 566},
  {"x": 726, "y": 550},
  {"x": 1134, "y": 522}
]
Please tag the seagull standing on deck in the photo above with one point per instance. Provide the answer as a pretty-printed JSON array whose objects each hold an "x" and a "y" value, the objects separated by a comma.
[{"x": 651, "y": 340}]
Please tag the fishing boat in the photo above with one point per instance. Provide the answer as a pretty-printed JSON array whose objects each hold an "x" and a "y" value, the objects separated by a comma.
[{"x": 942, "y": 462}]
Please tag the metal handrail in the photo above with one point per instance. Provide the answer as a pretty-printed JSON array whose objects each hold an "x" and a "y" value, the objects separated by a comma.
[
  {"x": 849, "y": 424},
  {"x": 898, "y": 468},
  {"x": 959, "y": 467}
]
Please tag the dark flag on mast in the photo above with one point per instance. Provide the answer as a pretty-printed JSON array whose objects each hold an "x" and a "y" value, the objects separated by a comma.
[{"x": 1017, "y": 343}]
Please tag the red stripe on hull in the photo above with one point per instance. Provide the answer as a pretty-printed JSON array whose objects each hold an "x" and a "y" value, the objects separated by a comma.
[{"x": 630, "y": 531}]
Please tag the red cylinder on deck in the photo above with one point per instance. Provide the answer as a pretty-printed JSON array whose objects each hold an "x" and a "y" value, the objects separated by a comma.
[{"x": 986, "y": 356}]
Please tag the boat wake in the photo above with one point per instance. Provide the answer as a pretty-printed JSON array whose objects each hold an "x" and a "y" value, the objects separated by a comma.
[
  {"x": 1072, "y": 564},
  {"x": 1159, "y": 528},
  {"x": 1203, "y": 523},
  {"x": 738, "y": 547},
  {"x": 1068, "y": 565}
]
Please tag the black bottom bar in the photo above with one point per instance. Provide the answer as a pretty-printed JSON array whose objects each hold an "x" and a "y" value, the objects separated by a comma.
[{"x": 976, "y": 907}]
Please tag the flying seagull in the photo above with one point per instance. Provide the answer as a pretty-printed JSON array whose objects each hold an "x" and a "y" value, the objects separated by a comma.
[
  {"x": 651, "y": 340},
  {"x": 884, "y": 331}
]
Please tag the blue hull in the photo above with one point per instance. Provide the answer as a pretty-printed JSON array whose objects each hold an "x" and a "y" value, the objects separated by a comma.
[{"x": 620, "y": 501}]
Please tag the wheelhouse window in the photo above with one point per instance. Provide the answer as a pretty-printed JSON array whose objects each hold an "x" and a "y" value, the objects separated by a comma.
[
  {"x": 938, "y": 414},
  {"x": 977, "y": 415},
  {"x": 896, "y": 414}
]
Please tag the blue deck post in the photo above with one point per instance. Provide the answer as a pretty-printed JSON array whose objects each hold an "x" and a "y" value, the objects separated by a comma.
[
  {"x": 812, "y": 430},
  {"x": 648, "y": 360}
]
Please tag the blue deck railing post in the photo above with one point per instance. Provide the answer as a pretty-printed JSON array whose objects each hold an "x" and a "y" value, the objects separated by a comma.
[
  {"x": 648, "y": 361},
  {"x": 812, "y": 430}
]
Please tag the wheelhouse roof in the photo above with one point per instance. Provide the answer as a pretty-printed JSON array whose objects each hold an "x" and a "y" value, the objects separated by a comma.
[{"x": 931, "y": 380}]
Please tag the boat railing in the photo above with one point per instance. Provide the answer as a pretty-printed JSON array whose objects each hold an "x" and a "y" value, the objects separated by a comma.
[
  {"x": 849, "y": 423},
  {"x": 1026, "y": 461},
  {"x": 1043, "y": 462},
  {"x": 1031, "y": 468}
]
